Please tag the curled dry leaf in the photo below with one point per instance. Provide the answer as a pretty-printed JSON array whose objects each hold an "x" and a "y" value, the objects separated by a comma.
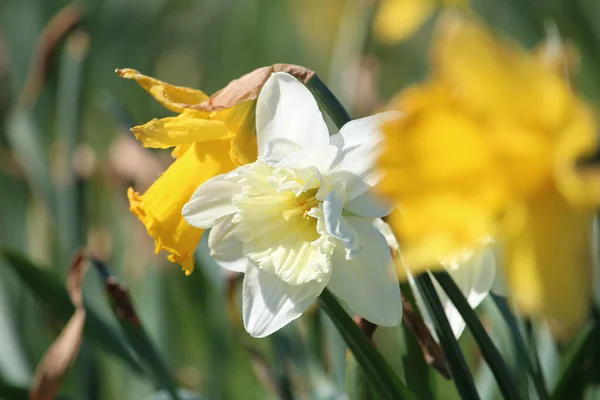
[
  {"x": 55, "y": 364},
  {"x": 248, "y": 86}
]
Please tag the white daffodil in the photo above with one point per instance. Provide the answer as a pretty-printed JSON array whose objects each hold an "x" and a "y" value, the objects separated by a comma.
[
  {"x": 299, "y": 218},
  {"x": 473, "y": 271}
]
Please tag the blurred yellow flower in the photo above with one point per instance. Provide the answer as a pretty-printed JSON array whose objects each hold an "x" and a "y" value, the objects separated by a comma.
[
  {"x": 206, "y": 144},
  {"x": 397, "y": 20},
  {"x": 490, "y": 147}
]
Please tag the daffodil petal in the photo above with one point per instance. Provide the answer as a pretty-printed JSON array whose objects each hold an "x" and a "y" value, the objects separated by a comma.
[
  {"x": 320, "y": 158},
  {"x": 159, "y": 208},
  {"x": 474, "y": 274},
  {"x": 226, "y": 248},
  {"x": 397, "y": 20},
  {"x": 175, "y": 98},
  {"x": 336, "y": 224},
  {"x": 549, "y": 263},
  {"x": 360, "y": 143},
  {"x": 174, "y": 131},
  {"x": 286, "y": 109},
  {"x": 212, "y": 201},
  {"x": 269, "y": 303},
  {"x": 369, "y": 205},
  {"x": 368, "y": 283},
  {"x": 279, "y": 149}
]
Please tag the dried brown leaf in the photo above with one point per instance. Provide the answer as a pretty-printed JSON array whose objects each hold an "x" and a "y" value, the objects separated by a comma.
[
  {"x": 366, "y": 326},
  {"x": 248, "y": 86},
  {"x": 55, "y": 364},
  {"x": 432, "y": 352},
  {"x": 61, "y": 23},
  {"x": 121, "y": 301}
]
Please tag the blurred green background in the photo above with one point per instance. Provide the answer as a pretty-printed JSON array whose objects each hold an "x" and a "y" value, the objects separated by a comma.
[{"x": 67, "y": 158}]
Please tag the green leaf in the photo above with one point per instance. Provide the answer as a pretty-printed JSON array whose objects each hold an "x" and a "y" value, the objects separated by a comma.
[
  {"x": 124, "y": 310},
  {"x": 376, "y": 369},
  {"x": 25, "y": 141},
  {"x": 583, "y": 349},
  {"x": 328, "y": 101},
  {"x": 9, "y": 391},
  {"x": 454, "y": 356},
  {"x": 70, "y": 213},
  {"x": 55, "y": 298},
  {"x": 490, "y": 353},
  {"x": 531, "y": 363}
]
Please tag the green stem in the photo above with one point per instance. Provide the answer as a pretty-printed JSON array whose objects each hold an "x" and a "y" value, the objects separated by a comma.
[
  {"x": 531, "y": 363},
  {"x": 374, "y": 366},
  {"x": 454, "y": 356},
  {"x": 328, "y": 101},
  {"x": 489, "y": 351}
]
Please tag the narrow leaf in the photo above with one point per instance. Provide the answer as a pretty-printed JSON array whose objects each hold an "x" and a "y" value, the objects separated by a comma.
[
  {"x": 532, "y": 364},
  {"x": 54, "y": 297},
  {"x": 489, "y": 351},
  {"x": 376, "y": 369},
  {"x": 124, "y": 310},
  {"x": 454, "y": 356},
  {"x": 583, "y": 348}
]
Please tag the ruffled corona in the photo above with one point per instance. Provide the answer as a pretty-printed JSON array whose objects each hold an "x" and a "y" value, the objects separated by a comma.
[{"x": 204, "y": 144}]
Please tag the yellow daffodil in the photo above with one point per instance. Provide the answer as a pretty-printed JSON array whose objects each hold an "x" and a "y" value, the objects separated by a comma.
[
  {"x": 206, "y": 144},
  {"x": 397, "y": 20},
  {"x": 490, "y": 146}
]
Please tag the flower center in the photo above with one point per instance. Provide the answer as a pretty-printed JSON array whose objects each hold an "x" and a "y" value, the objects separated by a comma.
[
  {"x": 277, "y": 217},
  {"x": 305, "y": 202}
]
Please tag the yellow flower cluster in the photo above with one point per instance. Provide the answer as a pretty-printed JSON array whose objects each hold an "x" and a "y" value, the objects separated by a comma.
[
  {"x": 205, "y": 144},
  {"x": 491, "y": 146}
]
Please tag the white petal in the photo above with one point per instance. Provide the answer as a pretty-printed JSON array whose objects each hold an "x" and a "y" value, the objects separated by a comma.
[
  {"x": 368, "y": 283},
  {"x": 226, "y": 248},
  {"x": 390, "y": 238},
  {"x": 286, "y": 109},
  {"x": 359, "y": 142},
  {"x": 269, "y": 303},
  {"x": 212, "y": 201},
  {"x": 320, "y": 158},
  {"x": 279, "y": 149},
  {"x": 369, "y": 205},
  {"x": 474, "y": 274},
  {"x": 335, "y": 224}
]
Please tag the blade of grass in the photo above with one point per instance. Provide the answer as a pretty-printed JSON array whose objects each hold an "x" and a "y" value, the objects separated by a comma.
[
  {"x": 533, "y": 366},
  {"x": 125, "y": 312},
  {"x": 490, "y": 353},
  {"x": 376, "y": 369},
  {"x": 454, "y": 356},
  {"x": 70, "y": 215},
  {"x": 583, "y": 348},
  {"x": 55, "y": 298}
]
